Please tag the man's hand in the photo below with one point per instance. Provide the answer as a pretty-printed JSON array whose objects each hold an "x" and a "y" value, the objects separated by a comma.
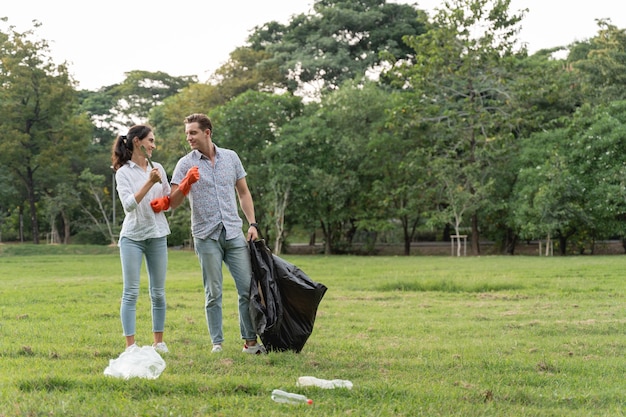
[
  {"x": 253, "y": 232},
  {"x": 192, "y": 176},
  {"x": 160, "y": 204}
]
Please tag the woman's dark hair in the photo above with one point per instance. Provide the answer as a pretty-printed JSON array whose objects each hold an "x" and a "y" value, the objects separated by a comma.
[{"x": 123, "y": 145}]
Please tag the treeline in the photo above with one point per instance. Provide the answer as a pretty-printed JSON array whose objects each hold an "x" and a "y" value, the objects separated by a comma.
[{"x": 363, "y": 120}]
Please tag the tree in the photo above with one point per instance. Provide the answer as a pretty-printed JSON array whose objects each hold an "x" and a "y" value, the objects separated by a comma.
[
  {"x": 461, "y": 79},
  {"x": 61, "y": 202},
  {"x": 596, "y": 150},
  {"x": 8, "y": 197},
  {"x": 602, "y": 63},
  {"x": 167, "y": 120},
  {"x": 326, "y": 148},
  {"x": 113, "y": 109},
  {"x": 91, "y": 188},
  {"x": 571, "y": 180},
  {"x": 545, "y": 93},
  {"x": 250, "y": 124},
  {"x": 40, "y": 129},
  {"x": 247, "y": 69},
  {"x": 549, "y": 198},
  {"x": 341, "y": 41}
]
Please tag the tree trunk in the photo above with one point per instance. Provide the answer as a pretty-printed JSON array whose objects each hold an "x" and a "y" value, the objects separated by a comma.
[
  {"x": 103, "y": 213},
  {"x": 475, "y": 235},
  {"x": 409, "y": 235},
  {"x": 327, "y": 231},
  {"x": 66, "y": 228},
  {"x": 33, "y": 215},
  {"x": 21, "y": 224},
  {"x": 511, "y": 241},
  {"x": 446, "y": 233},
  {"x": 562, "y": 244},
  {"x": 280, "y": 206},
  {"x": 351, "y": 232},
  {"x": 54, "y": 231},
  {"x": 328, "y": 249}
]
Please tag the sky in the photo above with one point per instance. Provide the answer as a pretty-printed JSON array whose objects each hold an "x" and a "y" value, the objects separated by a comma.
[{"x": 101, "y": 41}]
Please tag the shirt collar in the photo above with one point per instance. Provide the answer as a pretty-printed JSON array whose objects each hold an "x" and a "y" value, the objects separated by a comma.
[{"x": 196, "y": 154}]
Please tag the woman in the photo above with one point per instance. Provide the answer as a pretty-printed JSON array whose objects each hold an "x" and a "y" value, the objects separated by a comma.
[{"x": 144, "y": 232}]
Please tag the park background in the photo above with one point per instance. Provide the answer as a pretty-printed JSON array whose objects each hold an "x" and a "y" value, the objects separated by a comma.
[{"x": 362, "y": 125}]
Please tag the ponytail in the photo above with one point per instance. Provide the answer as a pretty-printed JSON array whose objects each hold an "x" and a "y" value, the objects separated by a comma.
[{"x": 123, "y": 145}]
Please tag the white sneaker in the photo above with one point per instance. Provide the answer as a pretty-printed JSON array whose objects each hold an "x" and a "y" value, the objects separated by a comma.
[
  {"x": 254, "y": 350},
  {"x": 216, "y": 349},
  {"x": 161, "y": 347}
]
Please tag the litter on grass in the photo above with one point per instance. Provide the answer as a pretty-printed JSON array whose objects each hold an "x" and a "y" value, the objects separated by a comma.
[
  {"x": 311, "y": 381},
  {"x": 137, "y": 362}
]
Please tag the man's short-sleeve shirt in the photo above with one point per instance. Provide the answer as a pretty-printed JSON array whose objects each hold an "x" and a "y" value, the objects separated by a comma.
[{"x": 213, "y": 197}]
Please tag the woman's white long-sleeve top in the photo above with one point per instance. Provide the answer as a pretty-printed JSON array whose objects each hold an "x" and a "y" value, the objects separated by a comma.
[{"x": 140, "y": 221}]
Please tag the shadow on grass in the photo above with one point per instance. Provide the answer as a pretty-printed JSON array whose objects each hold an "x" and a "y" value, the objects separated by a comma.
[
  {"x": 28, "y": 249},
  {"x": 137, "y": 388},
  {"x": 447, "y": 286}
]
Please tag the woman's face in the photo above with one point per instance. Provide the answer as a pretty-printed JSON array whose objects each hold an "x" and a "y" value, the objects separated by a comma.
[{"x": 147, "y": 142}]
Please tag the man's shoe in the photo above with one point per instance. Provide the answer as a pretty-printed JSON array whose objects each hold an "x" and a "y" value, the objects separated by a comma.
[{"x": 254, "y": 350}]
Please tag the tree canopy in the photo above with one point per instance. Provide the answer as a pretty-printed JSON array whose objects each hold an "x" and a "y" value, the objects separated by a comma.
[{"x": 359, "y": 122}]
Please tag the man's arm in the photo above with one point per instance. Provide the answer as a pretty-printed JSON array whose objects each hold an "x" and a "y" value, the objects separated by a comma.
[
  {"x": 176, "y": 197},
  {"x": 247, "y": 206},
  {"x": 177, "y": 193}
]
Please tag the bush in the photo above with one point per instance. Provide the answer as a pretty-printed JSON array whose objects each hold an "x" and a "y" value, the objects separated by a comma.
[
  {"x": 180, "y": 226},
  {"x": 90, "y": 237}
]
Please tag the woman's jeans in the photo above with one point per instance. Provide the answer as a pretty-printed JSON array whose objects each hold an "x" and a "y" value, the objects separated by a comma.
[
  {"x": 236, "y": 255},
  {"x": 132, "y": 253}
]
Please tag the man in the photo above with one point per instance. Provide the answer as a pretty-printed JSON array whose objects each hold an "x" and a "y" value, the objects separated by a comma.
[{"x": 215, "y": 224}]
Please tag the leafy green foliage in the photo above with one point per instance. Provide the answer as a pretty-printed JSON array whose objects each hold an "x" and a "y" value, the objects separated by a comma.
[
  {"x": 462, "y": 131},
  {"x": 461, "y": 80},
  {"x": 250, "y": 124},
  {"x": 571, "y": 180},
  {"x": 114, "y": 109},
  {"x": 40, "y": 129},
  {"x": 247, "y": 69},
  {"x": 341, "y": 41},
  {"x": 602, "y": 63}
]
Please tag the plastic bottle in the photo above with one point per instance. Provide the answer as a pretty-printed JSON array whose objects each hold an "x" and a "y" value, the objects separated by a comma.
[
  {"x": 311, "y": 381},
  {"x": 281, "y": 396}
]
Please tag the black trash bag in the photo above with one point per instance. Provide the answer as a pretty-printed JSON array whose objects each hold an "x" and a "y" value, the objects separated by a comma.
[
  {"x": 288, "y": 323},
  {"x": 266, "y": 308}
]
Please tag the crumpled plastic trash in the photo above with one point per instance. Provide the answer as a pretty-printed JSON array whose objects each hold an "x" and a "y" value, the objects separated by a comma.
[
  {"x": 139, "y": 362},
  {"x": 311, "y": 381}
]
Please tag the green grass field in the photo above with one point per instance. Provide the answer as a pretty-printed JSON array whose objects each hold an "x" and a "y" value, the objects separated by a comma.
[{"x": 417, "y": 336}]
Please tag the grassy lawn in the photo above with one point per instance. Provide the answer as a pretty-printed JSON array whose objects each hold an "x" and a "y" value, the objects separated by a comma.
[{"x": 417, "y": 336}]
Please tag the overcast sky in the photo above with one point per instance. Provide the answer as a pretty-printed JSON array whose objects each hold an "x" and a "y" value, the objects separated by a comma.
[{"x": 103, "y": 40}]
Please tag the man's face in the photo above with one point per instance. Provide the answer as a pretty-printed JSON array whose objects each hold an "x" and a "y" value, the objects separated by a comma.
[{"x": 196, "y": 137}]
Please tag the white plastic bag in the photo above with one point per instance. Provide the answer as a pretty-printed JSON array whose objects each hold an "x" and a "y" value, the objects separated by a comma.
[
  {"x": 140, "y": 362},
  {"x": 311, "y": 381}
]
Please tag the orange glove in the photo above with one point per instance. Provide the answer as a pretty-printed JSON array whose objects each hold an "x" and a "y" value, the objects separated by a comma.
[
  {"x": 192, "y": 176},
  {"x": 160, "y": 204}
]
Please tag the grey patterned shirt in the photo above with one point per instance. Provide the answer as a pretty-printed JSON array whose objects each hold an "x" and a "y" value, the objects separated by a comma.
[{"x": 213, "y": 198}]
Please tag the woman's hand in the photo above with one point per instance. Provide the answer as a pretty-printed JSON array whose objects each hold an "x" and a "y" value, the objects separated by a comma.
[{"x": 155, "y": 176}]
